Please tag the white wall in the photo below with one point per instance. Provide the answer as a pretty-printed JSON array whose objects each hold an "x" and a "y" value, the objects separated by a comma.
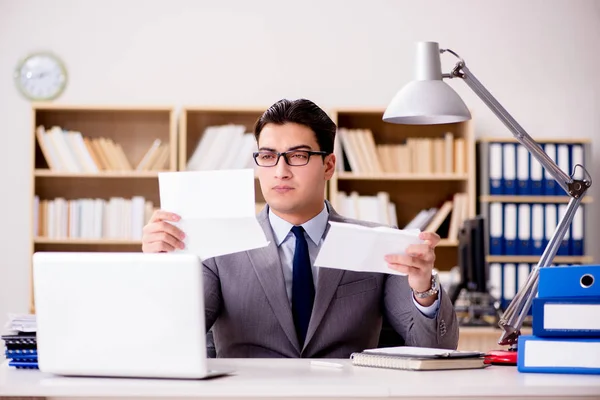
[{"x": 539, "y": 58}]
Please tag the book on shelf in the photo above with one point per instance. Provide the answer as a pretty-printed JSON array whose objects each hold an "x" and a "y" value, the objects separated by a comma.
[
  {"x": 441, "y": 155},
  {"x": 226, "y": 146},
  {"x": 156, "y": 158},
  {"x": 115, "y": 218},
  {"x": 70, "y": 151},
  {"x": 444, "y": 220},
  {"x": 418, "y": 358},
  {"x": 378, "y": 208}
]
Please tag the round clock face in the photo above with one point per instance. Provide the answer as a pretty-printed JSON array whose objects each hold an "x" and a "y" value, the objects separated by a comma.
[{"x": 41, "y": 76}]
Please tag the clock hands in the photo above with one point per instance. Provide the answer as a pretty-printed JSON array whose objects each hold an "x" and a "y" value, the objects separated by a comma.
[{"x": 38, "y": 75}]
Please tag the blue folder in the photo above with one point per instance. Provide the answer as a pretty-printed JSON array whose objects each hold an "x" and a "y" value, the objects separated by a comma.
[
  {"x": 558, "y": 355},
  {"x": 569, "y": 281},
  {"x": 545, "y": 325}
]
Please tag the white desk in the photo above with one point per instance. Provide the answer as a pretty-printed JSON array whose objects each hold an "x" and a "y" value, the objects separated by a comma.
[{"x": 296, "y": 378}]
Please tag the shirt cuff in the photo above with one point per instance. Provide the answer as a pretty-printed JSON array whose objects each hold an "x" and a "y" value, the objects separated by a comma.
[{"x": 432, "y": 310}]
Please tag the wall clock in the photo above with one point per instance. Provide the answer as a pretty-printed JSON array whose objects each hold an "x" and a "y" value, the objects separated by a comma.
[{"x": 41, "y": 76}]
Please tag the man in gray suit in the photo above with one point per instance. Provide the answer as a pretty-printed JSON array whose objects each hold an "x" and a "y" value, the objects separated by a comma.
[{"x": 273, "y": 301}]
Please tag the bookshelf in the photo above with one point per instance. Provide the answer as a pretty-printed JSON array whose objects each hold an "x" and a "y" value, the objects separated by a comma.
[
  {"x": 97, "y": 153},
  {"x": 523, "y": 205},
  {"x": 409, "y": 189}
]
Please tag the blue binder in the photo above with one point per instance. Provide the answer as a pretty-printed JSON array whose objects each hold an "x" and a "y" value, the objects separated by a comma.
[
  {"x": 549, "y": 182},
  {"x": 569, "y": 281},
  {"x": 509, "y": 168},
  {"x": 548, "y": 321},
  {"x": 495, "y": 167},
  {"x": 524, "y": 246},
  {"x": 558, "y": 355},
  {"x": 510, "y": 228},
  {"x": 577, "y": 232},
  {"x": 537, "y": 229},
  {"x": 563, "y": 160},
  {"x": 565, "y": 245},
  {"x": 523, "y": 171},
  {"x": 536, "y": 173},
  {"x": 496, "y": 229}
]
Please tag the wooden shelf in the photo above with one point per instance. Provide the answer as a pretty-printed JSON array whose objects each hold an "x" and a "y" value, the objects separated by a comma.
[
  {"x": 46, "y": 173},
  {"x": 534, "y": 259},
  {"x": 75, "y": 241},
  {"x": 71, "y": 241},
  {"x": 530, "y": 199},
  {"x": 447, "y": 243},
  {"x": 509, "y": 139},
  {"x": 225, "y": 109},
  {"x": 402, "y": 177},
  {"x": 100, "y": 107}
]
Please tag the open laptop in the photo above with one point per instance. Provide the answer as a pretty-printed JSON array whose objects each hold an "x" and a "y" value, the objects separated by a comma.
[{"x": 120, "y": 314}]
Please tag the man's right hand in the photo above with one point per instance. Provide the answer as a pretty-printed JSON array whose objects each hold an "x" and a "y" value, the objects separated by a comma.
[{"x": 159, "y": 236}]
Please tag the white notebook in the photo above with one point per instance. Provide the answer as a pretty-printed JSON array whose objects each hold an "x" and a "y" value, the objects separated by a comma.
[{"x": 418, "y": 358}]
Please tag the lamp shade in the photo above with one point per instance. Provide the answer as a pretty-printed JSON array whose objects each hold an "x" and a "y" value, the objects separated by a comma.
[{"x": 427, "y": 99}]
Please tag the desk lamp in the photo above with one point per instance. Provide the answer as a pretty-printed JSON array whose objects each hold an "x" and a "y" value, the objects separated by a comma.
[{"x": 429, "y": 100}]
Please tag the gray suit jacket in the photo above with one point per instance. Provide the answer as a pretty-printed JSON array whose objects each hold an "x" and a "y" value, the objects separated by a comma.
[{"x": 250, "y": 314}]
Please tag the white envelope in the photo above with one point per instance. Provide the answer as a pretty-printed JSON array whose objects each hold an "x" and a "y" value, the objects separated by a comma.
[
  {"x": 216, "y": 208},
  {"x": 360, "y": 248}
]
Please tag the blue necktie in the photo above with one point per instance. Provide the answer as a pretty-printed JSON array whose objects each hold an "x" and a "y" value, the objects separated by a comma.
[{"x": 303, "y": 288}]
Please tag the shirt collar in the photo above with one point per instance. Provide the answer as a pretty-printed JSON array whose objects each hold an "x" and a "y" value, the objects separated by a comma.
[{"x": 315, "y": 227}]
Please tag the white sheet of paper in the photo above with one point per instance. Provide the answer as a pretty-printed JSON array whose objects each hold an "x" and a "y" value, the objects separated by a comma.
[
  {"x": 360, "y": 248},
  {"x": 216, "y": 208}
]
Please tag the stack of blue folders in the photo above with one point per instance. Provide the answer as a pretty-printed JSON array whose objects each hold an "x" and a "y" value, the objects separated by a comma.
[
  {"x": 21, "y": 350},
  {"x": 566, "y": 323}
]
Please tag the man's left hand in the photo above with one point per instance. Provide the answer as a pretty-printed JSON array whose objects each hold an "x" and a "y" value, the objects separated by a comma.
[{"x": 418, "y": 262}]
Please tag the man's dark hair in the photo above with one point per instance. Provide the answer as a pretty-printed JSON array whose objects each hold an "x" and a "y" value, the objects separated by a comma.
[{"x": 302, "y": 112}]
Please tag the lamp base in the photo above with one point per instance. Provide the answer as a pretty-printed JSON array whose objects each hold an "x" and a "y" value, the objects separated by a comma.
[{"x": 501, "y": 357}]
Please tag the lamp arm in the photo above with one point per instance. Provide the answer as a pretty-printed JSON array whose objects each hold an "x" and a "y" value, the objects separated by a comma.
[
  {"x": 518, "y": 132},
  {"x": 516, "y": 312}
]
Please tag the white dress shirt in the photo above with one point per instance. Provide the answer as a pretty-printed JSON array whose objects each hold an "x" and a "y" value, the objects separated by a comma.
[{"x": 314, "y": 229}]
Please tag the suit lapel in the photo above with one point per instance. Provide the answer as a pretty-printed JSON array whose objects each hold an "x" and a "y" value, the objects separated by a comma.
[
  {"x": 327, "y": 284},
  {"x": 267, "y": 264}
]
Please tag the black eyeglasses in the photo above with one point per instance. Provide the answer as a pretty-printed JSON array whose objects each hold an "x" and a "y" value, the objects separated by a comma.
[{"x": 294, "y": 158}]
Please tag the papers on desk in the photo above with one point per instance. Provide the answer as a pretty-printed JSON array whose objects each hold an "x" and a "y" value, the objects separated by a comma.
[
  {"x": 216, "y": 208},
  {"x": 21, "y": 323},
  {"x": 360, "y": 248}
]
